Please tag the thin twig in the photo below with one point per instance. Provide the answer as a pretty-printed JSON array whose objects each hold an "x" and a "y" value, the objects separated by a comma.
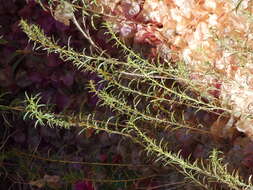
[{"x": 84, "y": 33}]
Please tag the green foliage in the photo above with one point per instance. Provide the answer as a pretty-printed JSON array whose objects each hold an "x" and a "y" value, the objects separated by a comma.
[
  {"x": 151, "y": 85},
  {"x": 33, "y": 111}
]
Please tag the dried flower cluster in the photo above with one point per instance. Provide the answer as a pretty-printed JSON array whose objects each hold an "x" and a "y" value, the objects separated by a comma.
[{"x": 213, "y": 37}]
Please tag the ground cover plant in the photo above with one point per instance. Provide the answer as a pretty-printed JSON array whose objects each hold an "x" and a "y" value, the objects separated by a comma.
[{"x": 173, "y": 82}]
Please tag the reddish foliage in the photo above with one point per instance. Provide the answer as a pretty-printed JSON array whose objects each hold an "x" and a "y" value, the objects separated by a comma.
[
  {"x": 248, "y": 161},
  {"x": 145, "y": 35},
  {"x": 83, "y": 185},
  {"x": 130, "y": 9}
]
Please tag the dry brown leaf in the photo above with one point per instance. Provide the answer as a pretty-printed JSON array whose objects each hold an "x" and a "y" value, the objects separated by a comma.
[
  {"x": 64, "y": 13},
  {"x": 38, "y": 183},
  {"x": 52, "y": 181}
]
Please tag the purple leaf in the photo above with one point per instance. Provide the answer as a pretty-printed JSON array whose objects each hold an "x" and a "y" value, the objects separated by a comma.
[
  {"x": 68, "y": 79},
  {"x": 83, "y": 185}
]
